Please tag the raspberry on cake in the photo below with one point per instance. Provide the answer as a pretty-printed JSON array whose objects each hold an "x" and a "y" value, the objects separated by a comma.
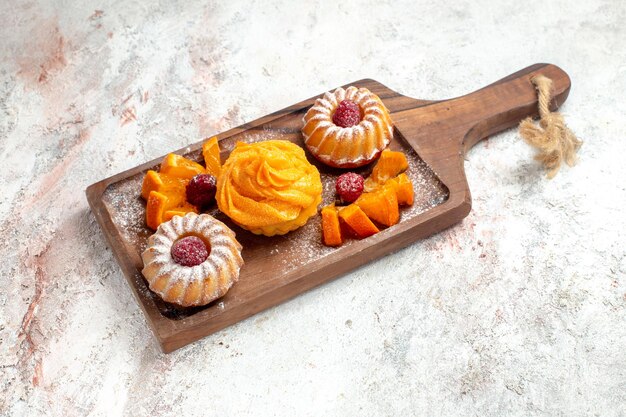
[
  {"x": 347, "y": 114},
  {"x": 189, "y": 251}
]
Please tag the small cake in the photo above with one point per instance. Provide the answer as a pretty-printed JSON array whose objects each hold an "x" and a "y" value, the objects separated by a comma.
[
  {"x": 268, "y": 188},
  {"x": 348, "y": 128},
  {"x": 192, "y": 260}
]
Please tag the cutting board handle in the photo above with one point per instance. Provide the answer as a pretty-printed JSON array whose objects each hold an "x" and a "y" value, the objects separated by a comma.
[
  {"x": 441, "y": 132},
  {"x": 445, "y": 128},
  {"x": 505, "y": 103}
]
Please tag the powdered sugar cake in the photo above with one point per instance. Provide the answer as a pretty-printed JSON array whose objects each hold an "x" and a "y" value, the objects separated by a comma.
[{"x": 433, "y": 134}]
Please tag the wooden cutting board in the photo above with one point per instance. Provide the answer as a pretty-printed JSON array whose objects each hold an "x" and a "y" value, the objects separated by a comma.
[{"x": 435, "y": 136}]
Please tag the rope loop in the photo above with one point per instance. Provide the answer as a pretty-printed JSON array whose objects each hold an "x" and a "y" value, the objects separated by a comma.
[{"x": 554, "y": 141}]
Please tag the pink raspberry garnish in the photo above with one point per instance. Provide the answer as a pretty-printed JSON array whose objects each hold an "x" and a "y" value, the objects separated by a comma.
[
  {"x": 201, "y": 190},
  {"x": 189, "y": 251},
  {"x": 349, "y": 186},
  {"x": 347, "y": 114}
]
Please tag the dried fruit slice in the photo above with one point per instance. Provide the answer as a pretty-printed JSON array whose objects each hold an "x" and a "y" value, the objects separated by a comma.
[
  {"x": 404, "y": 189},
  {"x": 211, "y": 154},
  {"x": 179, "y": 211},
  {"x": 331, "y": 230},
  {"x": 155, "y": 208},
  {"x": 358, "y": 221},
  {"x": 165, "y": 184},
  {"x": 181, "y": 167},
  {"x": 389, "y": 165},
  {"x": 380, "y": 205},
  {"x": 151, "y": 182}
]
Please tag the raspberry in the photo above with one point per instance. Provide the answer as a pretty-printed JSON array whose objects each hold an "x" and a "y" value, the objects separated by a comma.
[
  {"x": 349, "y": 186},
  {"x": 189, "y": 251},
  {"x": 347, "y": 114},
  {"x": 201, "y": 190}
]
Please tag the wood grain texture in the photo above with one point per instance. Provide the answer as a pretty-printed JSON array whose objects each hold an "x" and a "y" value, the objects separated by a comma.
[{"x": 435, "y": 132}]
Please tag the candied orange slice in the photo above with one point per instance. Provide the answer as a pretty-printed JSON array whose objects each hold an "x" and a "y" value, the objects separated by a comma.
[
  {"x": 179, "y": 211},
  {"x": 167, "y": 216},
  {"x": 176, "y": 198},
  {"x": 211, "y": 154},
  {"x": 404, "y": 189},
  {"x": 389, "y": 165},
  {"x": 380, "y": 205},
  {"x": 151, "y": 182},
  {"x": 165, "y": 184},
  {"x": 181, "y": 167},
  {"x": 358, "y": 221},
  {"x": 155, "y": 208},
  {"x": 331, "y": 230}
]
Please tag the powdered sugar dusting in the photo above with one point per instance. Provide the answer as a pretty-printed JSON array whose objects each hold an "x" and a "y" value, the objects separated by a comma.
[
  {"x": 128, "y": 210},
  {"x": 429, "y": 191}
]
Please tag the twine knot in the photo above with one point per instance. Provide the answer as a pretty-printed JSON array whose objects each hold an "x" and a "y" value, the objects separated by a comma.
[{"x": 554, "y": 141}]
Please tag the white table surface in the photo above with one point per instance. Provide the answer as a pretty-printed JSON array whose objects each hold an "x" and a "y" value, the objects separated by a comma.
[{"x": 518, "y": 310}]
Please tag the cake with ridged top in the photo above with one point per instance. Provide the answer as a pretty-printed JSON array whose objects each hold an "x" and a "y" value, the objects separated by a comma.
[
  {"x": 347, "y": 128},
  {"x": 192, "y": 260}
]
